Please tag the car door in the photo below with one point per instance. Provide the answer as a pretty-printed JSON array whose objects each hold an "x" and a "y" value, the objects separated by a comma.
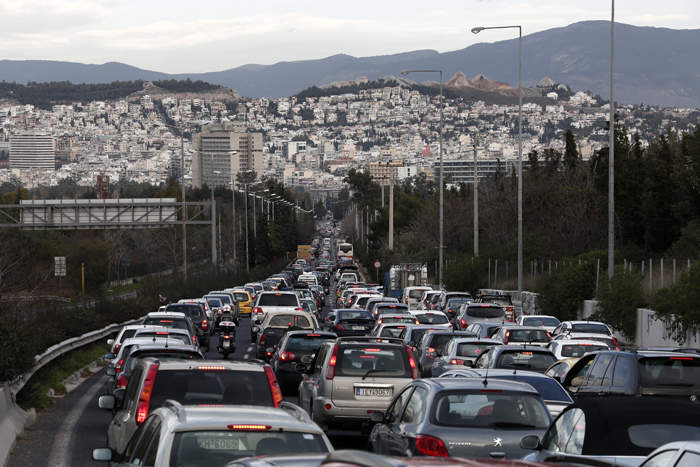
[
  {"x": 143, "y": 446},
  {"x": 309, "y": 383},
  {"x": 417, "y": 408},
  {"x": 441, "y": 362},
  {"x": 382, "y": 434},
  {"x": 117, "y": 432}
]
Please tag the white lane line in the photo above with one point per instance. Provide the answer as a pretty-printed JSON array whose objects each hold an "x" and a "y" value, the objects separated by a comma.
[
  {"x": 60, "y": 449},
  {"x": 250, "y": 349}
]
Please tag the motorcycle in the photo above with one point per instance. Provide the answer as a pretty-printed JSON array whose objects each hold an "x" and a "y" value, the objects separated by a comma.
[{"x": 227, "y": 337}]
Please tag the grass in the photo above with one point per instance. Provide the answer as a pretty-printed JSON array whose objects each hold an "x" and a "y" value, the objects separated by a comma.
[{"x": 33, "y": 394}]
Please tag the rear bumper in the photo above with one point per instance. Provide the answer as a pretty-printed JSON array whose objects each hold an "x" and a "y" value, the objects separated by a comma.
[{"x": 338, "y": 415}]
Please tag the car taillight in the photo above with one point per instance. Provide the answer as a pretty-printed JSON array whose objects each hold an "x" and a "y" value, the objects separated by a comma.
[
  {"x": 146, "y": 393},
  {"x": 218, "y": 312},
  {"x": 122, "y": 381},
  {"x": 331, "y": 363},
  {"x": 287, "y": 356},
  {"x": 615, "y": 340},
  {"x": 412, "y": 362},
  {"x": 505, "y": 339},
  {"x": 205, "y": 325},
  {"x": 262, "y": 339},
  {"x": 340, "y": 326},
  {"x": 463, "y": 323},
  {"x": 118, "y": 366},
  {"x": 431, "y": 446},
  {"x": 298, "y": 309},
  {"x": 116, "y": 349},
  {"x": 257, "y": 310},
  {"x": 274, "y": 386}
]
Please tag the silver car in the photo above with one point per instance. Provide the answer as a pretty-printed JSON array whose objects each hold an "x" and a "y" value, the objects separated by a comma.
[{"x": 351, "y": 377}]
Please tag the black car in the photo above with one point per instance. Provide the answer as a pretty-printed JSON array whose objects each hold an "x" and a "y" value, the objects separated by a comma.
[
  {"x": 196, "y": 313},
  {"x": 430, "y": 346},
  {"x": 636, "y": 373},
  {"x": 511, "y": 357},
  {"x": 351, "y": 322},
  {"x": 293, "y": 346}
]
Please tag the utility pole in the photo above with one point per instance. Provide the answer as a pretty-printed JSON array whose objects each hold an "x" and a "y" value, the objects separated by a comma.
[
  {"x": 391, "y": 213},
  {"x": 476, "y": 206}
]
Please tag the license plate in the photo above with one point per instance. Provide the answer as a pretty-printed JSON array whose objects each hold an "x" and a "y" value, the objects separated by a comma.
[
  {"x": 373, "y": 392},
  {"x": 213, "y": 443},
  {"x": 226, "y": 344},
  {"x": 358, "y": 328}
]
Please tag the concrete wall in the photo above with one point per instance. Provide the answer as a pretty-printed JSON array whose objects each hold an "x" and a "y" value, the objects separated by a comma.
[{"x": 12, "y": 423}]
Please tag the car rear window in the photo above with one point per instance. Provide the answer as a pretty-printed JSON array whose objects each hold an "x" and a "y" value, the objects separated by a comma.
[
  {"x": 456, "y": 302},
  {"x": 548, "y": 388},
  {"x": 207, "y": 385},
  {"x": 670, "y": 371},
  {"x": 477, "y": 408},
  {"x": 527, "y": 335},
  {"x": 182, "y": 338},
  {"x": 652, "y": 436},
  {"x": 590, "y": 327},
  {"x": 241, "y": 297},
  {"x": 539, "y": 321},
  {"x": 439, "y": 341},
  {"x": 391, "y": 309},
  {"x": 225, "y": 299},
  {"x": 432, "y": 318},
  {"x": 309, "y": 342},
  {"x": 485, "y": 312},
  {"x": 161, "y": 354},
  {"x": 392, "y": 331},
  {"x": 289, "y": 320},
  {"x": 355, "y": 315},
  {"x": 526, "y": 360},
  {"x": 416, "y": 293},
  {"x": 380, "y": 361},
  {"x": 176, "y": 323},
  {"x": 192, "y": 311},
  {"x": 578, "y": 350},
  {"x": 470, "y": 349},
  {"x": 214, "y": 302},
  {"x": 399, "y": 319},
  {"x": 281, "y": 299}
]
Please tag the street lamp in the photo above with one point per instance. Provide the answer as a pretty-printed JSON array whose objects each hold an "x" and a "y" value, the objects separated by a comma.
[
  {"x": 442, "y": 224},
  {"x": 255, "y": 213},
  {"x": 611, "y": 154},
  {"x": 247, "y": 258},
  {"x": 477, "y": 30},
  {"x": 233, "y": 201}
]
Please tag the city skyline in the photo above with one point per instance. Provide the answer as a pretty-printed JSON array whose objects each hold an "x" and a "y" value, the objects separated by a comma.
[{"x": 173, "y": 37}]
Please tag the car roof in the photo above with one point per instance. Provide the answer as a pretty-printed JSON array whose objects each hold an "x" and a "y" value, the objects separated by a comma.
[
  {"x": 478, "y": 383},
  {"x": 166, "y": 314}
]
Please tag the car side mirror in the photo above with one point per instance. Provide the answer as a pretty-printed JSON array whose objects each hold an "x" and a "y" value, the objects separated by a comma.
[
  {"x": 306, "y": 359},
  {"x": 530, "y": 442},
  {"x": 270, "y": 350},
  {"x": 111, "y": 372},
  {"x": 102, "y": 454},
  {"x": 412, "y": 344},
  {"x": 256, "y": 328},
  {"x": 107, "y": 402},
  {"x": 119, "y": 395},
  {"x": 110, "y": 341},
  {"x": 469, "y": 362},
  {"x": 109, "y": 356},
  {"x": 376, "y": 417}
]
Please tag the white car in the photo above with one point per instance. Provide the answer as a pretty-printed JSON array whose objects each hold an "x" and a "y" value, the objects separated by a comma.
[
  {"x": 610, "y": 341},
  {"x": 575, "y": 348},
  {"x": 436, "y": 319},
  {"x": 549, "y": 323}
]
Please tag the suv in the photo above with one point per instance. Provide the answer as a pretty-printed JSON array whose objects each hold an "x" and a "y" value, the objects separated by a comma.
[
  {"x": 217, "y": 382},
  {"x": 291, "y": 348},
  {"x": 479, "y": 312},
  {"x": 351, "y": 377},
  {"x": 172, "y": 319},
  {"x": 275, "y": 324},
  {"x": 177, "y": 435},
  {"x": 430, "y": 346},
  {"x": 635, "y": 373},
  {"x": 503, "y": 300},
  {"x": 195, "y": 312}
]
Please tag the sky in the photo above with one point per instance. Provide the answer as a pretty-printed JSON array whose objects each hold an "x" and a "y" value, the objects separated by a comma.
[{"x": 177, "y": 36}]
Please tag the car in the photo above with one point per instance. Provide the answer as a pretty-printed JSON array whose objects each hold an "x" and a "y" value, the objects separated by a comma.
[
  {"x": 430, "y": 346},
  {"x": 244, "y": 300},
  {"x": 433, "y": 318},
  {"x": 171, "y": 319},
  {"x": 309, "y": 306},
  {"x": 551, "y": 391},
  {"x": 351, "y": 322},
  {"x": 444, "y": 297},
  {"x": 499, "y": 299},
  {"x": 195, "y": 312},
  {"x": 610, "y": 341},
  {"x": 485, "y": 329},
  {"x": 453, "y": 305},
  {"x": 459, "y": 353},
  {"x": 388, "y": 307},
  {"x": 678, "y": 454},
  {"x": 275, "y": 324},
  {"x": 549, "y": 323},
  {"x": 426, "y": 299},
  {"x": 207, "y": 309},
  {"x": 161, "y": 332},
  {"x": 390, "y": 330},
  {"x": 349, "y": 378},
  {"x": 412, "y": 295},
  {"x": 362, "y": 300},
  {"x": 125, "y": 333},
  {"x": 460, "y": 417},
  {"x": 373, "y": 301},
  {"x": 394, "y": 319},
  {"x": 228, "y": 299},
  {"x": 523, "y": 335},
  {"x": 587, "y": 326},
  {"x": 413, "y": 333},
  {"x": 288, "y": 353},
  {"x": 575, "y": 348},
  {"x": 636, "y": 373},
  {"x": 117, "y": 361},
  {"x": 516, "y": 358},
  {"x": 478, "y": 312},
  {"x": 618, "y": 429},
  {"x": 179, "y": 435}
]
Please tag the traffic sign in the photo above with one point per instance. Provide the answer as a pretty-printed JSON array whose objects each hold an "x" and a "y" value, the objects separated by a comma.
[{"x": 377, "y": 264}]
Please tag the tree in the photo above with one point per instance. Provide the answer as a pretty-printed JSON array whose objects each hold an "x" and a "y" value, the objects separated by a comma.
[
  {"x": 571, "y": 156},
  {"x": 561, "y": 293},
  {"x": 677, "y": 305},
  {"x": 618, "y": 300}
]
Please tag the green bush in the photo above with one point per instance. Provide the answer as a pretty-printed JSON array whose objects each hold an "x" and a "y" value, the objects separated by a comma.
[
  {"x": 561, "y": 293},
  {"x": 469, "y": 274},
  {"x": 618, "y": 300},
  {"x": 679, "y": 305},
  {"x": 15, "y": 356}
]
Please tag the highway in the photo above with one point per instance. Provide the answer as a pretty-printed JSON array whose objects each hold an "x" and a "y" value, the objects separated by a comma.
[{"x": 66, "y": 434}]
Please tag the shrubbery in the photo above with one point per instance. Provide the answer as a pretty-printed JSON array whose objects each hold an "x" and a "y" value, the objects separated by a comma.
[
  {"x": 618, "y": 300},
  {"x": 679, "y": 305},
  {"x": 469, "y": 274}
]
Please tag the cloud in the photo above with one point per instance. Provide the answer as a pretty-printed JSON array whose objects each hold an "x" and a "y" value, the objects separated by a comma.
[{"x": 23, "y": 16}]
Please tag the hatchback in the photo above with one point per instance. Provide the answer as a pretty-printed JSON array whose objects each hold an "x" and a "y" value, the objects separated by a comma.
[
  {"x": 479, "y": 312},
  {"x": 288, "y": 353},
  {"x": 352, "y": 322},
  {"x": 430, "y": 346},
  {"x": 516, "y": 358}
]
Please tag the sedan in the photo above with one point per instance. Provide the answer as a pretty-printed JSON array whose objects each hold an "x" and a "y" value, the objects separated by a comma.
[
  {"x": 351, "y": 323},
  {"x": 460, "y": 353},
  {"x": 516, "y": 358}
]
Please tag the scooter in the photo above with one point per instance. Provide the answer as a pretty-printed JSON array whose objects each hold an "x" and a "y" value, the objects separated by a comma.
[{"x": 227, "y": 337}]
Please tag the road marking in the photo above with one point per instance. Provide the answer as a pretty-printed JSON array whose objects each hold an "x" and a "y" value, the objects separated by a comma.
[
  {"x": 60, "y": 449},
  {"x": 245, "y": 357},
  {"x": 250, "y": 349}
]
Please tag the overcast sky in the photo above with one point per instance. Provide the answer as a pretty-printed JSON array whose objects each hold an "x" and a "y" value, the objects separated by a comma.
[{"x": 177, "y": 36}]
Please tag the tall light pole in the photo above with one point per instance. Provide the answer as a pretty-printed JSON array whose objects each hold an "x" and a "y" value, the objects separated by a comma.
[
  {"x": 611, "y": 153},
  {"x": 477, "y": 30},
  {"x": 442, "y": 224},
  {"x": 255, "y": 212},
  {"x": 247, "y": 258}
]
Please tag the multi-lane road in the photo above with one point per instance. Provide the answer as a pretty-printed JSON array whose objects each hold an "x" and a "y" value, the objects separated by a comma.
[{"x": 66, "y": 434}]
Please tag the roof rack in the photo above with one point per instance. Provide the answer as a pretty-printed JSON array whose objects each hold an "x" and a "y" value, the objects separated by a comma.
[
  {"x": 389, "y": 340},
  {"x": 296, "y": 411},
  {"x": 176, "y": 407}
]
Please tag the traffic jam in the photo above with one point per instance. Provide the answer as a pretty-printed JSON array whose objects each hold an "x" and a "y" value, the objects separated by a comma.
[{"x": 342, "y": 371}]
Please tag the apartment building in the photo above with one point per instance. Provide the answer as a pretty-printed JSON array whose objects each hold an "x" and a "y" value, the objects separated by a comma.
[
  {"x": 384, "y": 172},
  {"x": 32, "y": 151},
  {"x": 212, "y": 161}
]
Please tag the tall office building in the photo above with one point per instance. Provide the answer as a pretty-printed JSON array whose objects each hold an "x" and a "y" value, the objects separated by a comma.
[
  {"x": 32, "y": 151},
  {"x": 212, "y": 153}
]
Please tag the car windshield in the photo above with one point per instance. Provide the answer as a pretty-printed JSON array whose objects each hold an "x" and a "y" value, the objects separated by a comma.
[
  {"x": 432, "y": 318},
  {"x": 215, "y": 448},
  {"x": 578, "y": 350},
  {"x": 278, "y": 299},
  {"x": 681, "y": 371},
  {"x": 192, "y": 311},
  {"x": 485, "y": 312},
  {"x": 376, "y": 361},
  {"x": 475, "y": 408},
  {"x": 288, "y": 320},
  {"x": 210, "y": 385},
  {"x": 470, "y": 350},
  {"x": 590, "y": 327},
  {"x": 540, "y": 321},
  {"x": 527, "y": 360}
]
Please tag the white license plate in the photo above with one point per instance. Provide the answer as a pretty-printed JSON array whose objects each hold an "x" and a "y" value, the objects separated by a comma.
[
  {"x": 358, "y": 328},
  {"x": 373, "y": 392},
  {"x": 213, "y": 443},
  {"x": 226, "y": 344}
]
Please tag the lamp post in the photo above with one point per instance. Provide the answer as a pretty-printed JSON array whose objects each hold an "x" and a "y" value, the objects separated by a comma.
[
  {"x": 247, "y": 258},
  {"x": 611, "y": 154},
  {"x": 477, "y": 30},
  {"x": 233, "y": 202},
  {"x": 442, "y": 224},
  {"x": 255, "y": 212}
]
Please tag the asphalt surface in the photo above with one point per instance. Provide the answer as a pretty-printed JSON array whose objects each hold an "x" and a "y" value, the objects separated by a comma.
[{"x": 66, "y": 434}]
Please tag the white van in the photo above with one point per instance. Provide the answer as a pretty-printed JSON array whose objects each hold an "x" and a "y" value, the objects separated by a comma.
[
  {"x": 308, "y": 278},
  {"x": 349, "y": 277},
  {"x": 412, "y": 296}
]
